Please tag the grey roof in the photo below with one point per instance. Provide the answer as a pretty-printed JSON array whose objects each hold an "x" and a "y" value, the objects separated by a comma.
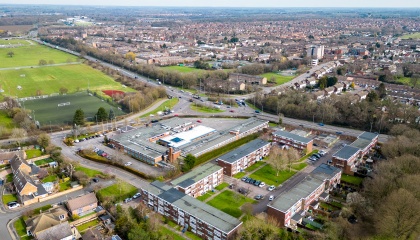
[
  {"x": 196, "y": 175},
  {"x": 56, "y": 232},
  {"x": 346, "y": 152},
  {"x": 242, "y": 151},
  {"x": 82, "y": 201},
  {"x": 41, "y": 190},
  {"x": 325, "y": 171},
  {"x": 20, "y": 180},
  {"x": 194, "y": 207},
  {"x": 361, "y": 143},
  {"x": 292, "y": 136},
  {"x": 303, "y": 189},
  {"x": 368, "y": 135}
]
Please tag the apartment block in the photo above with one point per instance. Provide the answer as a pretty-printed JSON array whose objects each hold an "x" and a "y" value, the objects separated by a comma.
[
  {"x": 244, "y": 156},
  {"x": 293, "y": 140},
  {"x": 200, "y": 180},
  {"x": 203, "y": 220},
  {"x": 290, "y": 207}
]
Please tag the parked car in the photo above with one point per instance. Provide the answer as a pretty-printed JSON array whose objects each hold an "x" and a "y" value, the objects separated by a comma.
[
  {"x": 321, "y": 124},
  {"x": 262, "y": 184},
  {"x": 271, "y": 198},
  {"x": 128, "y": 200},
  {"x": 271, "y": 188},
  {"x": 256, "y": 111},
  {"x": 244, "y": 179},
  {"x": 231, "y": 186},
  {"x": 322, "y": 152},
  {"x": 232, "y": 111},
  {"x": 95, "y": 180},
  {"x": 257, "y": 182},
  {"x": 128, "y": 163},
  {"x": 13, "y": 206},
  {"x": 199, "y": 121},
  {"x": 11, "y": 203},
  {"x": 259, "y": 197},
  {"x": 137, "y": 195},
  {"x": 243, "y": 190}
]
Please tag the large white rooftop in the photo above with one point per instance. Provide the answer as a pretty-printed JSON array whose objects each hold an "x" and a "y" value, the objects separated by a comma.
[{"x": 182, "y": 138}]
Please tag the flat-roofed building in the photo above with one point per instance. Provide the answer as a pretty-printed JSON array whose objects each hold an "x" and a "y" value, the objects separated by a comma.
[
  {"x": 289, "y": 207},
  {"x": 200, "y": 180},
  {"x": 244, "y": 156},
  {"x": 365, "y": 141},
  {"x": 324, "y": 140},
  {"x": 346, "y": 159},
  {"x": 293, "y": 140},
  {"x": 203, "y": 220}
]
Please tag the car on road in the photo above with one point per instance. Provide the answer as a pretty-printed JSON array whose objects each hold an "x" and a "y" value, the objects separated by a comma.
[
  {"x": 128, "y": 163},
  {"x": 300, "y": 125},
  {"x": 259, "y": 197},
  {"x": 256, "y": 111},
  {"x": 339, "y": 133},
  {"x": 95, "y": 180},
  {"x": 137, "y": 195},
  {"x": 199, "y": 121},
  {"x": 271, "y": 188},
  {"x": 262, "y": 184},
  {"x": 13, "y": 206},
  {"x": 322, "y": 152},
  {"x": 232, "y": 110},
  {"x": 271, "y": 198},
  {"x": 321, "y": 124}
]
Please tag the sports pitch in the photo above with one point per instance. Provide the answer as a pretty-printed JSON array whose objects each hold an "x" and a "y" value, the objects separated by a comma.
[
  {"x": 50, "y": 79},
  {"x": 46, "y": 110},
  {"x": 29, "y": 55}
]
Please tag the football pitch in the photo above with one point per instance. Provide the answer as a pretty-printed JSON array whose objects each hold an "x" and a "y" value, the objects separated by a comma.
[{"x": 47, "y": 110}]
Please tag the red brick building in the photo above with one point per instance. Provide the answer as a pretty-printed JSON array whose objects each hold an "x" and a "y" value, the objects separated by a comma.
[{"x": 293, "y": 140}]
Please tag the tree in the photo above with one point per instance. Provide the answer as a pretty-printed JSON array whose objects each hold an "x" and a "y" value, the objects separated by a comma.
[
  {"x": 111, "y": 114},
  {"x": 63, "y": 90},
  {"x": 81, "y": 177},
  {"x": 414, "y": 80},
  {"x": 79, "y": 117},
  {"x": 280, "y": 121},
  {"x": 130, "y": 56},
  {"x": 382, "y": 90},
  {"x": 292, "y": 156},
  {"x": 352, "y": 85},
  {"x": 323, "y": 82},
  {"x": 189, "y": 162},
  {"x": 18, "y": 134},
  {"x": 10, "y": 54},
  {"x": 372, "y": 96},
  {"x": 276, "y": 159},
  {"x": 101, "y": 115},
  {"x": 42, "y": 62},
  {"x": 44, "y": 140},
  {"x": 378, "y": 45}
]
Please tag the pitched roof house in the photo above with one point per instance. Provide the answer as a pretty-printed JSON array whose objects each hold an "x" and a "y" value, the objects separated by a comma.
[{"x": 83, "y": 205}]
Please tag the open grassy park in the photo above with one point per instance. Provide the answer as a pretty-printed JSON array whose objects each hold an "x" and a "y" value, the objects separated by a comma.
[
  {"x": 46, "y": 110},
  {"x": 14, "y": 41},
  {"x": 50, "y": 79},
  {"x": 6, "y": 121},
  {"x": 268, "y": 175},
  {"x": 280, "y": 79},
  {"x": 183, "y": 69},
  {"x": 411, "y": 36},
  {"x": 29, "y": 55}
]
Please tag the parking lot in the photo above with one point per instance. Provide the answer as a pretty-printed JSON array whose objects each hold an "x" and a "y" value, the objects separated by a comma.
[{"x": 252, "y": 190}]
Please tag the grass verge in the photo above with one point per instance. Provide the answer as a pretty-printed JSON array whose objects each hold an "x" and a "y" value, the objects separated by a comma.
[
  {"x": 205, "y": 109},
  {"x": 117, "y": 192},
  {"x": 89, "y": 172},
  {"x": 20, "y": 227},
  {"x": 9, "y": 198},
  {"x": 205, "y": 196},
  {"x": 170, "y": 103},
  {"x": 221, "y": 186},
  {"x": 239, "y": 175}
]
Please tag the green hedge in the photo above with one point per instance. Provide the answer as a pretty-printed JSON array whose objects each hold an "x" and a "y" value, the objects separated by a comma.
[
  {"x": 220, "y": 151},
  {"x": 99, "y": 159}
]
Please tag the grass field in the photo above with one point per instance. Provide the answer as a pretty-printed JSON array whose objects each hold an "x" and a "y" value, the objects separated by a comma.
[
  {"x": 205, "y": 109},
  {"x": 20, "y": 227},
  {"x": 170, "y": 103},
  {"x": 50, "y": 79},
  {"x": 46, "y": 109},
  {"x": 29, "y": 55},
  {"x": 183, "y": 69},
  {"x": 13, "y": 41},
  {"x": 43, "y": 161},
  {"x": 205, "y": 196},
  {"x": 168, "y": 234},
  {"x": 33, "y": 153},
  {"x": 254, "y": 166},
  {"x": 6, "y": 121},
  {"x": 221, "y": 186},
  {"x": 50, "y": 178},
  {"x": 230, "y": 202},
  {"x": 89, "y": 172},
  {"x": 9, "y": 198},
  {"x": 268, "y": 175},
  {"x": 299, "y": 166},
  {"x": 412, "y": 36},
  {"x": 239, "y": 175},
  {"x": 279, "y": 78},
  {"x": 117, "y": 192}
]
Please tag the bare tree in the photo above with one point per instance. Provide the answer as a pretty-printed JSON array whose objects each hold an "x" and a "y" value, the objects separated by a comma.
[
  {"x": 292, "y": 156},
  {"x": 277, "y": 159},
  {"x": 19, "y": 134}
]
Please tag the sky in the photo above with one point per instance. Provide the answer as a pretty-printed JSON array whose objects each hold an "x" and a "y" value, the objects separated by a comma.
[{"x": 230, "y": 3}]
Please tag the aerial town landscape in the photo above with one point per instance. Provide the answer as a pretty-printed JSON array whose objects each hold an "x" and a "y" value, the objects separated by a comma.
[{"x": 240, "y": 123}]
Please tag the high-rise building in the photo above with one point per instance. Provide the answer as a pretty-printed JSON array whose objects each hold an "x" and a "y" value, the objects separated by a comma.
[{"x": 316, "y": 51}]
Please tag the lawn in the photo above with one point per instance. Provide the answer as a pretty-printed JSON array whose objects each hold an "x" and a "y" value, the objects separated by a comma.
[
  {"x": 33, "y": 153},
  {"x": 50, "y": 79},
  {"x": 89, "y": 172},
  {"x": 221, "y": 186},
  {"x": 85, "y": 226},
  {"x": 205, "y": 196},
  {"x": 29, "y": 55},
  {"x": 170, "y": 234},
  {"x": 50, "y": 178},
  {"x": 268, "y": 175},
  {"x": 117, "y": 192},
  {"x": 45, "y": 110},
  {"x": 206, "y": 109},
  {"x": 65, "y": 186},
  {"x": 192, "y": 236},
  {"x": 9, "y": 198},
  {"x": 351, "y": 179},
  {"x": 42, "y": 209},
  {"x": 170, "y": 103},
  {"x": 299, "y": 166},
  {"x": 43, "y": 161},
  {"x": 239, "y": 175},
  {"x": 9, "y": 177},
  {"x": 280, "y": 79},
  {"x": 20, "y": 227},
  {"x": 183, "y": 69},
  {"x": 5, "y": 120},
  {"x": 230, "y": 202},
  {"x": 254, "y": 166},
  {"x": 412, "y": 36},
  {"x": 13, "y": 41}
]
